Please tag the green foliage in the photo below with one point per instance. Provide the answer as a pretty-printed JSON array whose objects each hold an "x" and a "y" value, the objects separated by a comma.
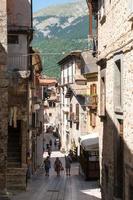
[
  {"x": 72, "y": 37},
  {"x": 52, "y": 52}
]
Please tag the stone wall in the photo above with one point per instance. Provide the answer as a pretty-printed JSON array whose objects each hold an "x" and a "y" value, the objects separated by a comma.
[
  {"x": 115, "y": 37},
  {"x": 3, "y": 95}
]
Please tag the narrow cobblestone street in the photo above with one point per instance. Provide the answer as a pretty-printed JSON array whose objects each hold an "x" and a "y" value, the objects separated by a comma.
[{"x": 64, "y": 187}]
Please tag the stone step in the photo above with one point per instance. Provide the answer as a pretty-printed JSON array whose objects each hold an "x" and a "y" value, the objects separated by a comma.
[
  {"x": 13, "y": 159},
  {"x": 16, "y": 171},
  {"x": 4, "y": 197},
  {"x": 14, "y": 149},
  {"x": 13, "y": 164},
  {"x": 16, "y": 178},
  {"x": 16, "y": 187},
  {"x": 14, "y": 154}
]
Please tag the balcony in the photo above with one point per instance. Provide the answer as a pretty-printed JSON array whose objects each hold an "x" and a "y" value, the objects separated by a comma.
[
  {"x": 67, "y": 80},
  {"x": 13, "y": 27},
  {"x": 18, "y": 62},
  {"x": 91, "y": 101}
]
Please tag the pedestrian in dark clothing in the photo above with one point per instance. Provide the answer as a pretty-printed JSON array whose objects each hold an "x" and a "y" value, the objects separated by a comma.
[
  {"x": 47, "y": 165},
  {"x": 50, "y": 142},
  {"x": 49, "y": 151},
  {"x": 59, "y": 145},
  {"x": 47, "y": 145},
  {"x": 55, "y": 143},
  {"x": 58, "y": 166},
  {"x": 68, "y": 162}
]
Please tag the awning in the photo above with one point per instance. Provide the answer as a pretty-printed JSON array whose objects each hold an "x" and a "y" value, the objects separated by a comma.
[
  {"x": 47, "y": 81},
  {"x": 90, "y": 141}
]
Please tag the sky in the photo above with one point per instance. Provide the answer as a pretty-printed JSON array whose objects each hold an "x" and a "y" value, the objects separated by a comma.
[{"x": 39, "y": 4}]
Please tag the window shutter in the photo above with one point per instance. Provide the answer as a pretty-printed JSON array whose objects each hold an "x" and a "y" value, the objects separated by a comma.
[
  {"x": 92, "y": 119},
  {"x": 77, "y": 112},
  {"x": 102, "y": 97},
  {"x": 91, "y": 89},
  {"x": 71, "y": 112},
  {"x": 94, "y": 89},
  {"x": 71, "y": 109}
]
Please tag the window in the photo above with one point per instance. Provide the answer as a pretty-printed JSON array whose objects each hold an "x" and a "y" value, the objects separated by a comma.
[
  {"x": 50, "y": 104},
  {"x": 77, "y": 126},
  {"x": 120, "y": 126},
  {"x": 92, "y": 119},
  {"x": 93, "y": 89},
  {"x": 118, "y": 86},
  {"x": 50, "y": 114},
  {"x": 77, "y": 112},
  {"x": 71, "y": 112},
  {"x": 93, "y": 96},
  {"x": 71, "y": 124},
  {"x": 130, "y": 9},
  {"x": 33, "y": 120},
  {"x": 13, "y": 39},
  {"x": 102, "y": 97}
]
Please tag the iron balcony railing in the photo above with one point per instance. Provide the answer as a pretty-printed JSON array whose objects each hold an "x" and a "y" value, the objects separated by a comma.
[{"x": 67, "y": 80}]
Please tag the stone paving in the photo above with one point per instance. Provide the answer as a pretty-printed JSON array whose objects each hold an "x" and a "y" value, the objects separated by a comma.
[{"x": 64, "y": 187}]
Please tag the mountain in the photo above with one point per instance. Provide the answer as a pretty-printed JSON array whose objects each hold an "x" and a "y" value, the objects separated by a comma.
[{"x": 60, "y": 29}]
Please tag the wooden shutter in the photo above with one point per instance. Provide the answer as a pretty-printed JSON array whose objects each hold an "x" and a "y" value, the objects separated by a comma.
[
  {"x": 71, "y": 112},
  {"x": 77, "y": 112},
  {"x": 121, "y": 127},
  {"x": 92, "y": 119},
  {"x": 93, "y": 89},
  {"x": 102, "y": 97}
]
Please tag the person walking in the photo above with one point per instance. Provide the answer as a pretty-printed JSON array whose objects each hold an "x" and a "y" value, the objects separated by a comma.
[
  {"x": 68, "y": 162},
  {"x": 55, "y": 143},
  {"x": 59, "y": 145},
  {"x": 58, "y": 166},
  {"x": 49, "y": 151},
  {"x": 47, "y": 165},
  {"x": 47, "y": 146},
  {"x": 50, "y": 143}
]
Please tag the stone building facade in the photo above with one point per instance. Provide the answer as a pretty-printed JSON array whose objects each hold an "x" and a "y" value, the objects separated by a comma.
[
  {"x": 36, "y": 109},
  {"x": 15, "y": 38},
  {"x": 4, "y": 97},
  {"x": 115, "y": 57},
  {"x": 79, "y": 99},
  {"x": 73, "y": 113}
]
